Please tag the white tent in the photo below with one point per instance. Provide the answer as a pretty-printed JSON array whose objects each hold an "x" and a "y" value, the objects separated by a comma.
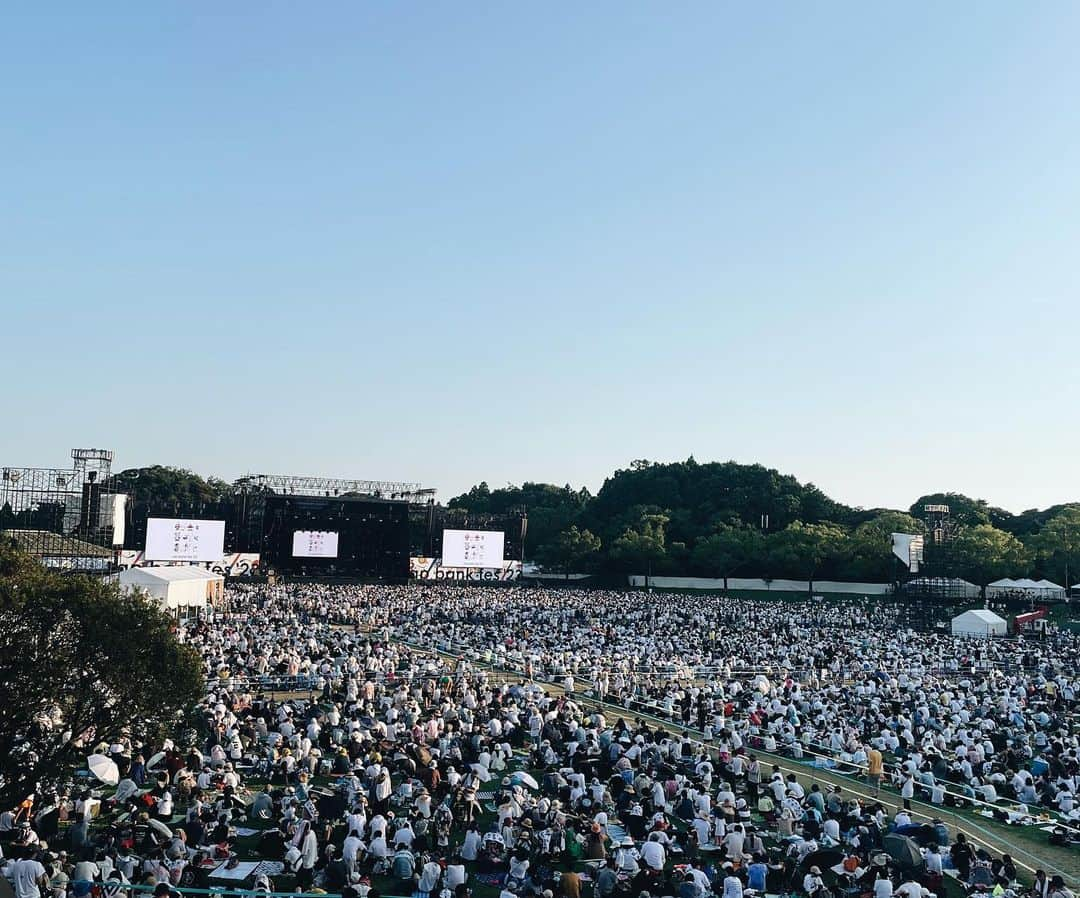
[
  {"x": 979, "y": 622},
  {"x": 184, "y": 587},
  {"x": 1041, "y": 589},
  {"x": 1051, "y": 589}
]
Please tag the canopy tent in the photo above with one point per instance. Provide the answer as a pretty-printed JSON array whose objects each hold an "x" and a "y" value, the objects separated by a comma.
[
  {"x": 184, "y": 587},
  {"x": 952, "y": 586},
  {"x": 979, "y": 622},
  {"x": 1043, "y": 589}
]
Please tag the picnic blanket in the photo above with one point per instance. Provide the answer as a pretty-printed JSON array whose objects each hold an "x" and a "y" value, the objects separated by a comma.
[{"x": 616, "y": 832}]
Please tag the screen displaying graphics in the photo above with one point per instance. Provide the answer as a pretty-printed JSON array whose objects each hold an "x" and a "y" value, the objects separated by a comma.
[
  {"x": 472, "y": 548},
  {"x": 314, "y": 544},
  {"x": 176, "y": 539}
]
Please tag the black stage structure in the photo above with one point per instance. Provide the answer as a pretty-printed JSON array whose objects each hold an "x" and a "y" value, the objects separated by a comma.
[
  {"x": 370, "y": 517},
  {"x": 428, "y": 522},
  {"x": 936, "y": 590},
  {"x": 70, "y": 515},
  {"x": 372, "y": 537}
]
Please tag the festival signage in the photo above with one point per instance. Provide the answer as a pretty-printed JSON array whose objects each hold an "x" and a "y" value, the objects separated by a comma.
[
  {"x": 433, "y": 569},
  {"x": 231, "y": 564}
]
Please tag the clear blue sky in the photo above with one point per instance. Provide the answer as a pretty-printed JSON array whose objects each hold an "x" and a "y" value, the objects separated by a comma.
[{"x": 461, "y": 241}]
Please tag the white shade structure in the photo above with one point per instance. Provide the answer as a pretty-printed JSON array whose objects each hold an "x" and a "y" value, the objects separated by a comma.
[
  {"x": 1035, "y": 589},
  {"x": 185, "y": 587},
  {"x": 979, "y": 622},
  {"x": 104, "y": 768}
]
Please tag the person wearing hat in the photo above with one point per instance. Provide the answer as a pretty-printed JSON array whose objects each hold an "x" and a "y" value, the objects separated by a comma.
[
  {"x": 627, "y": 857},
  {"x": 1058, "y": 889},
  {"x": 596, "y": 843},
  {"x": 814, "y": 884}
]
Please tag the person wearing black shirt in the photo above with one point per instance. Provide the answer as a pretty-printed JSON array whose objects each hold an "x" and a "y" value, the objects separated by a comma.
[{"x": 962, "y": 856}]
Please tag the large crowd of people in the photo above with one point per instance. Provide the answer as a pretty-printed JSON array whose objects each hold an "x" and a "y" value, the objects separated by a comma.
[{"x": 441, "y": 739}]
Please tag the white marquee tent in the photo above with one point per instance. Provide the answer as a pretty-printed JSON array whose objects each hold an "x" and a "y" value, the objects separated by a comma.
[
  {"x": 979, "y": 622},
  {"x": 1036, "y": 589},
  {"x": 186, "y": 587}
]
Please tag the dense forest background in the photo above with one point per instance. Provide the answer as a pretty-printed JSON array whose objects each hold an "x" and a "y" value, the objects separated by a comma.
[{"x": 718, "y": 519}]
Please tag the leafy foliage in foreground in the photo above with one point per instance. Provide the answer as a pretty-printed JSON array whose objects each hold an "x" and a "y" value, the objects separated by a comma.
[{"x": 80, "y": 663}]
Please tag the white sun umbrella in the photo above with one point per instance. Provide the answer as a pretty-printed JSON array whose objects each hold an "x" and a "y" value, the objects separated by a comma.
[
  {"x": 482, "y": 773},
  {"x": 525, "y": 779},
  {"x": 126, "y": 789},
  {"x": 104, "y": 768},
  {"x": 161, "y": 828},
  {"x": 155, "y": 760}
]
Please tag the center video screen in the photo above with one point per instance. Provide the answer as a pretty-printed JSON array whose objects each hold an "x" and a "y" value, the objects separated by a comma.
[
  {"x": 315, "y": 544},
  {"x": 472, "y": 548}
]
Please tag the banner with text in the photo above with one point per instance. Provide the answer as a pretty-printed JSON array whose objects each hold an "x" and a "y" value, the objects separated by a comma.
[
  {"x": 232, "y": 564},
  {"x": 433, "y": 569}
]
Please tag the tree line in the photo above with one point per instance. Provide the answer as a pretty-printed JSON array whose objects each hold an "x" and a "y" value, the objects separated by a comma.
[
  {"x": 716, "y": 519},
  {"x": 723, "y": 519}
]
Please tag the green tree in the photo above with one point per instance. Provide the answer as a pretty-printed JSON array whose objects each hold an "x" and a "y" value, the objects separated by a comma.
[
  {"x": 800, "y": 550},
  {"x": 984, "y": 554},
  {"x": 1056, "y": 548},
  {"x": 79, "y": 663},
  {"x": 573, "y": 550},
  {"x": 551, "y": 509},
  {"x": 698, "y": 497},
  {"x": 967, "y": 512},
  {"x": 477, "y": 499},
  {"x": 727, "y": 550},
  {"x": 163, "y": 488},
  {"x": 642, "y": 546}
]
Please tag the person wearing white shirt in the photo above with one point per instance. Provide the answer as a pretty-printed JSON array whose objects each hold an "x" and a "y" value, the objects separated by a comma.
[
  {"x": 733, "y": 887},
  {"x": 470, "y": 848},
  {"x": 831, "y": 829},
  {"x": 27, "y": 878},
  {"x": 653, "y": 854},
  {"x": 404, "y": 836},
  {"x": 909, "y": 889},
  {"x": 813, "y": 884},
  {"x": 350, "y": 849},
  {"x": 378, "y": 848}
]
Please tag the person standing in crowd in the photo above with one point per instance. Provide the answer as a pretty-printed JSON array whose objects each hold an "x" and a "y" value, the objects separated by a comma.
[{"x": 28, "y": 877}]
